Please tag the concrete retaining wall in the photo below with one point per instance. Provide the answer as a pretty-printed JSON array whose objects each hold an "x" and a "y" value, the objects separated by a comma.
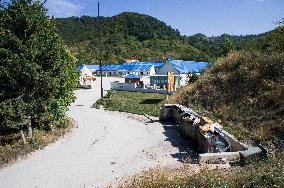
[
  {"x": 235, "y": 144},
  {"x": 218, "y": 157},
  {"x": 190, "y": 124}
]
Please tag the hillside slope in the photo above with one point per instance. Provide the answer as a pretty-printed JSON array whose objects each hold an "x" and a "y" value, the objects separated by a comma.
[
  {"x": 138, "y": 36},
  {"x": 244, "y": 90}
]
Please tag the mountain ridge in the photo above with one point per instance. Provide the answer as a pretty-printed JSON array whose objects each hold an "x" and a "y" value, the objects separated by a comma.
[{"x": 130, "y": 35}]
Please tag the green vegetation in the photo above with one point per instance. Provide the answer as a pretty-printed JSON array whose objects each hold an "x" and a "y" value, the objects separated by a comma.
[
  {"x": 266, "y": 174},
  {"x": 227, "y": 47},
  {"x": 133, "y": 102},
  {"x": 137, "y": 36},
  {"x": 125, "y": 36},
  {"x": 37, "y": 75}
]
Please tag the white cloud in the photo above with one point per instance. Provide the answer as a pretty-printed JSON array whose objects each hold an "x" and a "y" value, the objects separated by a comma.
[{"x": 63, "y": 8}]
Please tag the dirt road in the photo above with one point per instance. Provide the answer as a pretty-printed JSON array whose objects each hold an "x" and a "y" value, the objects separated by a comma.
[{"x": 105, "y": 147}]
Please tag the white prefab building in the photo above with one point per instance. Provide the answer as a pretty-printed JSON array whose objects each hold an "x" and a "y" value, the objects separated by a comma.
[
  {"x": 85, "y": 71},
  {"x": 86, "y": 77},
  {"x": 87, "y": 68}
]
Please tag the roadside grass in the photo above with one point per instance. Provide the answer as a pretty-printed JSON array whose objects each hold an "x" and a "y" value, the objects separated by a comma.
[
  {"x": 132, "y": 102},
  {"x": 264, "y": 174},
  {"x": 12, "y": 146}
]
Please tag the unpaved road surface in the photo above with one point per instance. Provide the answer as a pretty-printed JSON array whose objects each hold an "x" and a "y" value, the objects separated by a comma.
[{"x": 105, "y": 147}]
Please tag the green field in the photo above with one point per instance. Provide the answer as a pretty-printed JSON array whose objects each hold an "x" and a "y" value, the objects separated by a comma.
[{"x": 133, "y": 102}]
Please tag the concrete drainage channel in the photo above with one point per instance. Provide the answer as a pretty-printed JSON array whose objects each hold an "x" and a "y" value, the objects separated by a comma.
[{"x": 214, "y": 144}]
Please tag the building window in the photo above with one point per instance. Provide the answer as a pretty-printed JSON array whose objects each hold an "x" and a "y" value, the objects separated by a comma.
[{"x": 141, "y": 73}]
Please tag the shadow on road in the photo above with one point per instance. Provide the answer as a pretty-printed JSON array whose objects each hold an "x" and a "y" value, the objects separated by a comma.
[{"x": 185, "y": 146}]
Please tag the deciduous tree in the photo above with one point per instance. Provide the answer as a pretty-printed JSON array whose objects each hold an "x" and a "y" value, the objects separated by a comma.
[{"x": 37, "y": 72}]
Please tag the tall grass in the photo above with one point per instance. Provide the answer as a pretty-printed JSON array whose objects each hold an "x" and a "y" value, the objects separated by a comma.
[{"x": 246, "y": 91}]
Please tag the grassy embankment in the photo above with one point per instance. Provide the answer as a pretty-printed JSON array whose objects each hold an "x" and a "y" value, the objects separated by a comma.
[
  {"x": 12, "y": 146},
  {"x": 246, "y": 92},
  {"x": 133, "y": 102}
]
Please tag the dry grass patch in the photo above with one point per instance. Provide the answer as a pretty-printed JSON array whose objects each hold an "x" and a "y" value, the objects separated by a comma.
[
  {"x": 264, "y": 174},
  {"x": 12, "y": 146}
]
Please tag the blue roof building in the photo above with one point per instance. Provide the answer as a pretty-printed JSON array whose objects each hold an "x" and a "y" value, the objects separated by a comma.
[
  {"x": 182, "y": 67},
  {"x": 120, "y": 70}
]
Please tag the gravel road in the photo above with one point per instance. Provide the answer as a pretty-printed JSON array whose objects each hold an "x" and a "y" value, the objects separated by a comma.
[{"x": 106, "y": 147}]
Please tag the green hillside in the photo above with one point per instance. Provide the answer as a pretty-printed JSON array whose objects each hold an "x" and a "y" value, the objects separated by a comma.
[
  {"x": 125, "y": 36},
  {"x": 138, "y": 36},
  {"x": 212, "y": 45}
]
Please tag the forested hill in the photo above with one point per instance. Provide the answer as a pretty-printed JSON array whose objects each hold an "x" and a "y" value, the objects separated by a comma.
[
  {"x": 138, "y": 36},
  {"x": 125, "y": 36},
  {"x": 212, "y": 45},
  {"x": 140, "y": 26}
]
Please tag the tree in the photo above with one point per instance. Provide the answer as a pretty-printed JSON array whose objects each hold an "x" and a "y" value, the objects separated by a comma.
[
  {"x": 226, "y": 47},
  {"x": 37, "y": 72},
  {"x": 275, "y": 41}
]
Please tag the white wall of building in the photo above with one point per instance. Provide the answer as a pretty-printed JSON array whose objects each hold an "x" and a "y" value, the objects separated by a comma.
[{"x": 120, "y": 73}]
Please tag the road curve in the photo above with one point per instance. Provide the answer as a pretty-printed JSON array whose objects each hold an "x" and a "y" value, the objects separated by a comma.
[{"x": 105, "y": 147}]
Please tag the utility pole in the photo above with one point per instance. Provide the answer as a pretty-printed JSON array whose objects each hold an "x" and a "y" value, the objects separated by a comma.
[{"x": 100, "y": 49}]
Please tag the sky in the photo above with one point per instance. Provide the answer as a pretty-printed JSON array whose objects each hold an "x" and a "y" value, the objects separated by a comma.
[{"x": 209, "y": 17}]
